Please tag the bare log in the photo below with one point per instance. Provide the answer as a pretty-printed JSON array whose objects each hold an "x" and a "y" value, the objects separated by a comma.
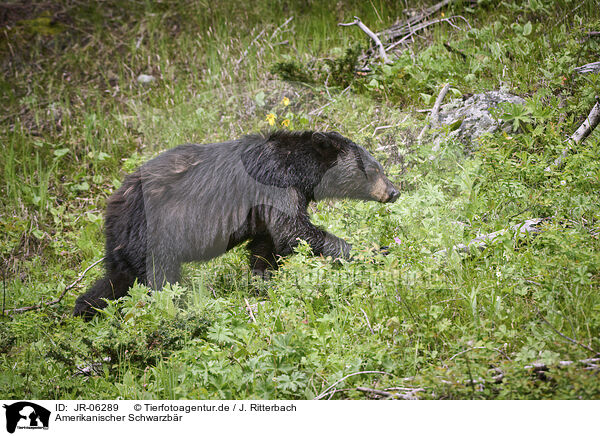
[
  {"x": 371, "y": 35},
  {"x": 580, "y": 134}
]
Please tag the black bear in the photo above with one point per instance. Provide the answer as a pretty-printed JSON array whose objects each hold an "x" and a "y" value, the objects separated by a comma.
[{"x": 195, "y": 202}]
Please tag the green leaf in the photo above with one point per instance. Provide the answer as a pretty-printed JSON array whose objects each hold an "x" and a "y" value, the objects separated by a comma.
[
  {"x": 260, "y": 99},
  {"x": 61, "y": 152},
  {"x": 83, "y": 186},
  {"x": 527, "y": 28},
  {"x": 455, "y": 125}
]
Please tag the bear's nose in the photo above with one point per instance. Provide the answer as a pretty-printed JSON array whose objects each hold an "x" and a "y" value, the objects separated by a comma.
[{"x": 393, "y": 195}]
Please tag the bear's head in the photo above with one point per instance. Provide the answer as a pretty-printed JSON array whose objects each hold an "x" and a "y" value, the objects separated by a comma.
[{"x": 353, "y": 172}]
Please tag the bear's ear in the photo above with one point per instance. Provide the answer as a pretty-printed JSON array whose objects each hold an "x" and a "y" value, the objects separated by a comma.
[{"x": 325, "y": 145}]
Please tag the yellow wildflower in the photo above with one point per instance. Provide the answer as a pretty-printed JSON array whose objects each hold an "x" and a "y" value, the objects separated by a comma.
[
  {"x": 285, "y": 123},
  {"x": 285, "y": 101},
  {"x": 271, "y": 118}
]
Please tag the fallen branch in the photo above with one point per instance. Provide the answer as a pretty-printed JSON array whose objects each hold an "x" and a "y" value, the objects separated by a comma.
[
  {"x": 482, "y": 241},
  {"x": 422, "y": 26},
  {"x": 409, "y": 393},
  {"x": 580, "y": 134},
  {"x": 326, "y": 391},
  {"x": 590, "y": 364},
  {"x": 60, "y": 297},
  {"x": 374, "y": 391},
  {"x": 371, "y": 35}
]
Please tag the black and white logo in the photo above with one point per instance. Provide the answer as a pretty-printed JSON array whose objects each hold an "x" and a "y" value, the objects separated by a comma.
[{"x": 26, "y": 415}]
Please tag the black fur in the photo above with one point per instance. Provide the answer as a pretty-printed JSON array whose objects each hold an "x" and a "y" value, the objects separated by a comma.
[{"x": 195, "y": 202}]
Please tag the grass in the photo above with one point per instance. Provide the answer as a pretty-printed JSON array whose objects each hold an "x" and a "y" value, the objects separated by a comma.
[{"x": 76, "y": 120}]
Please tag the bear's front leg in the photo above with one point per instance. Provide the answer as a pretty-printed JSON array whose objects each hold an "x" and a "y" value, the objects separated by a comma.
[{"x": 290, "y": 230}]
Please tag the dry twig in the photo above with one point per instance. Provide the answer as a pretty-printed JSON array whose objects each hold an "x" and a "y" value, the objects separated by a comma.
[
  {"x": 408, "y": 394},
  {"x": 368, "y": 323},
  {"x": 412, "y": 31},
  {"x": 402, "y": 28},
  {"x": 563, "y": 335},
  {"x": 371, "y": 35},
  {"x": 326, "y": 391},
  {"x": 249, "y": 309},
  {"x": 60, "y": 297}
]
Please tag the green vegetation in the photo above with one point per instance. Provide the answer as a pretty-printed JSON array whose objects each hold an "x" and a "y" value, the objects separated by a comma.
[{"x": 75, "y": 120}]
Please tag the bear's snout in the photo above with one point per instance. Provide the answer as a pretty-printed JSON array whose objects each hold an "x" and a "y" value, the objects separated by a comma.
[
  {"x": 393, "y": 194},
  {"x": 384, "y": 191}
]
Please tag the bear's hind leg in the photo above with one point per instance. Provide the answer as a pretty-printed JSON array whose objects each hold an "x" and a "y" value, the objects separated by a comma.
[{"x": 111, "y": 287}]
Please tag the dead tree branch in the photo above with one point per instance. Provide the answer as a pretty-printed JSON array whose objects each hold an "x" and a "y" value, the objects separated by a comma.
[
  {"x": 482, "y": 241},
  {"x": 594, "y": 67},
  {"x": 60, "y": 297},
  {"x": 326, "y": 391},
  {"x": 435, "y": 112},
  {"x": 434, "y": 116},
  {"x": 402, "y": 28},
  {"x": 371, "y": 35},
  {"x": 590, "y": 364},
  {"x": 412, "y": 31},
  {"x": 580, "y": 135},
  {"x": 408, "y": 394}
]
